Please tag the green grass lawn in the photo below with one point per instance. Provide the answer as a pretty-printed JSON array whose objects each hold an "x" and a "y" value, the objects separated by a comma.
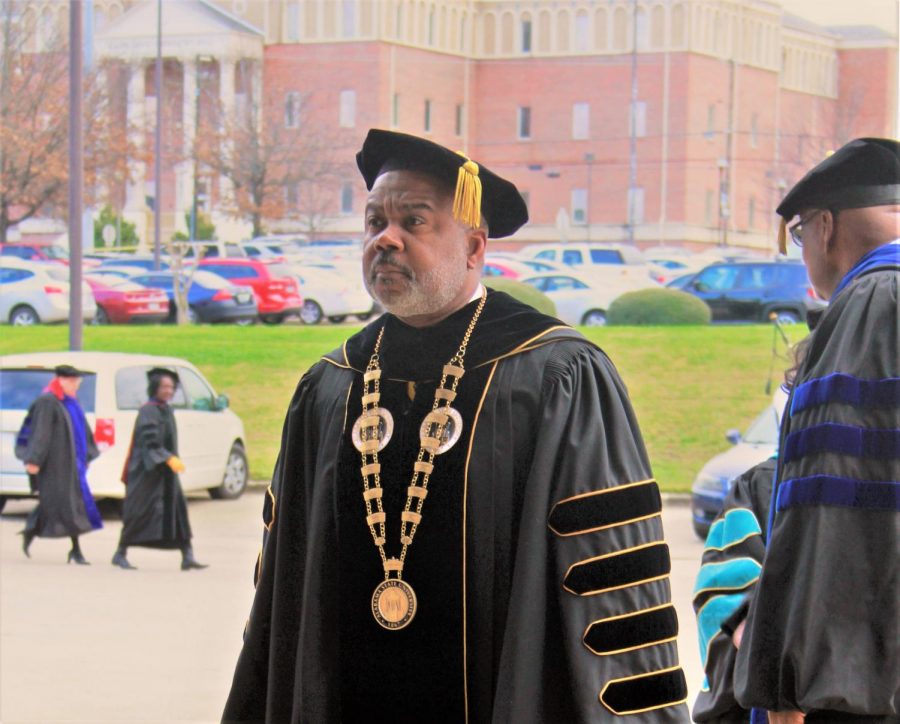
[{"x": 688, "y": 384}]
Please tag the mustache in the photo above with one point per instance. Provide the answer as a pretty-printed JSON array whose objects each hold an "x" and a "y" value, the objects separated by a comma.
[{"x": 386, "y": 258}]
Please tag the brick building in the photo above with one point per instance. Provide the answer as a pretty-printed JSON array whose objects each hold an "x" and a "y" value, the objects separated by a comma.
[{"x": 659, "y": 121}]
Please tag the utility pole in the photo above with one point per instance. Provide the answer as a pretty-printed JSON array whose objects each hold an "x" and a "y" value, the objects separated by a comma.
[
  {"x": 632, "y": 165},
  {"x": 157, "y": 151},
  {"x": 76, "y": 173}
]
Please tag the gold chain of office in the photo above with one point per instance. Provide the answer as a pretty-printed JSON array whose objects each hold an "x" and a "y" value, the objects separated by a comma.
[{"x": 394, "y": 600}]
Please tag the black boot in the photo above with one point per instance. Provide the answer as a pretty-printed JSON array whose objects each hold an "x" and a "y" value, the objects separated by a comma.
[
  {"x": 188, "y": 561},
  {"x": 27, "y": 537},
  {"x": 121, "y": 561},
  {"x": 75, "y": 553}
]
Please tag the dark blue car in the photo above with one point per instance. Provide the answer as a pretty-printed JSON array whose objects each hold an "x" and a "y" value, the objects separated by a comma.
[{"x": 210, "y": 297}]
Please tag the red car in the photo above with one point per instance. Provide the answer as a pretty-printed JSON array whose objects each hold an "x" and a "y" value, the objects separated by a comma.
[
  {"x": 276, "y": 289},
  {"x": 120, "y": 301}
]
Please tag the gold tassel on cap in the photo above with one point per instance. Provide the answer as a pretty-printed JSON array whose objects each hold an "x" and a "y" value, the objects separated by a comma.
[
  {"x": 467, "y": 199},
  {"x": 782, "y": 237}
]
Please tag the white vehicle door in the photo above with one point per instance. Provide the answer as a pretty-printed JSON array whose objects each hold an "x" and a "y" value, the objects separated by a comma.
[{"x": 203, "y": 439}]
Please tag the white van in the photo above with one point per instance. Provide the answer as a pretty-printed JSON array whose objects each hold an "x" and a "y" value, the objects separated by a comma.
[{"x": 210, "y": 436}]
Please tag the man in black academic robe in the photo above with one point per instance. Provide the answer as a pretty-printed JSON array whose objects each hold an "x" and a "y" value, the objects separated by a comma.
[
  {"x": 154, "y": 512},
  {"x": 822, "y": 638},
  {"x": 538, "y": 565},
  {"x": 57, "y": 445}
]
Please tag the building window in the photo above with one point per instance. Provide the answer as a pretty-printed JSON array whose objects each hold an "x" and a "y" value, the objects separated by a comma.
[
  {"x": 526, "y": 36},
  {"x": 582, "y": 32},
  {"x": 347, "y": 199},
  {"x": 291, "y": 196},
  {"x": 710, "y": 120},
  {"x": 579, "y": 206},
  {"x": 395, "y": 110},
  {"x": 431, "y": 27},
  {"x": 427, "y": 116},
  {"x": 292, "y": 110},
  {"x": 526, "y": 196},
  {"x": 459, "y": 119},
  {"x": 637, "y": 122},
  {"x": 348, "y": 18},
  {"x": 751, "y": 213},
  {"x": 636, "y": 204},
  {"x": 581, "y": 121},
  {"x": 524, "y": 122},
  {"x": 642, "y": 30},
  {"x": 292, "y": 33},
  {"x": 348, "y": 109},
  {"x": 754, "y": 131}
]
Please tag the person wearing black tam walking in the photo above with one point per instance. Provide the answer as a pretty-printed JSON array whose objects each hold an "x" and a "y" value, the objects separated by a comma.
[
  {"x": 154, "y": 512},
  {"x": 56, "y": 444},
  {"x": 462, "y": 524},
  {"x": 820, "y": 639}
]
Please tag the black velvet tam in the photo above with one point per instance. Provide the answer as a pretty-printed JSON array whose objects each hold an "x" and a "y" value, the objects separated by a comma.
[
  {"x": 605, "y": 508},
  {"x": 632, "y": 631},
  {"x": 864, "y": 172},
  {"x": 645, "y": 692},
  {"x": 628, "y": 568},
  {"x": 501, "y": 203}
]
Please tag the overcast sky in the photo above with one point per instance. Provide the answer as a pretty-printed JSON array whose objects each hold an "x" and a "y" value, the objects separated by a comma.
[{"x": 882, "y": 13}]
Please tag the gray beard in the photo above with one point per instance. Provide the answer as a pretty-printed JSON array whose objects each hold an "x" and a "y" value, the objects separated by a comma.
[{"x": 427, "y": 293}]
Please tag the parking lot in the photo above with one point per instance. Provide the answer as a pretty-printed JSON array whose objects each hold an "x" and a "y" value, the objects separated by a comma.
[{"x": 99, "y": 644}]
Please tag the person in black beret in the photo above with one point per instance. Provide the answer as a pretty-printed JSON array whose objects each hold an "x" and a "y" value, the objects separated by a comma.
[
  {"x": 56, "y": 444},
  {"x": 462, "y": 523},
  {"x": 820, "y": 640},
  {"x": 154, "y": 513}
]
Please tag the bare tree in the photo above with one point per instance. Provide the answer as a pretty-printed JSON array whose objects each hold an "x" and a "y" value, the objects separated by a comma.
[
  {"x": 263, "y": 161},
  {"x": 34, "y": 164}
]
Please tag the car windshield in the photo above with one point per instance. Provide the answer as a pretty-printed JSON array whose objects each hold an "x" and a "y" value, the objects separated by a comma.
[
  {"x": 55, "y": 252},
  {"x": 20, "y": 387},
  {"x": 764, "y": 429}
]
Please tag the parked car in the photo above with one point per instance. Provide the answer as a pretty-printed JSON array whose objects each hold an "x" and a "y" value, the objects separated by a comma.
[
  {"x": 36, "y": 292},
  {"x": 211, "y": 249},
  {"x": 680, "y": 282},
  {"x": 750, "y": 291},
  {"x": 277, "y": 294},
  {"x": 506, "y": 267},
  {"x": 717, "y": 476},
  {"x": 327, "y": 293},
  {"x": 578, "y": 299},
  {"x": 210, "y": 436},
  {"x": 585, "y": 253},
  {"x": 120, "y": 301},
  {"x": 211, "y": 298},
  {"x": 36, "y": 251},
  {"x": 135, "y": 261}
]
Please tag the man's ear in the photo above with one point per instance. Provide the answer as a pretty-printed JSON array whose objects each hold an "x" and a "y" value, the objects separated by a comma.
[
  {"x": 829, "y": 223},
  {"x": 476, "y": 244}
]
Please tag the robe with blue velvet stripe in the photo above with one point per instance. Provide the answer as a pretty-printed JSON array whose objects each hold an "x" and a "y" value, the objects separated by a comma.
[
  {"x": 732, "y": 558},
  {"x": 823, "y": 631},
  {"x": 539, "y": 565}
]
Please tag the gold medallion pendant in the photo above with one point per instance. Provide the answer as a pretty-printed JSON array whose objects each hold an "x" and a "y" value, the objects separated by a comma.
[
  {"x": 451, "y": 431},
  {"x": 373, "y": 430},
  {"x": 394, "y": 604}
]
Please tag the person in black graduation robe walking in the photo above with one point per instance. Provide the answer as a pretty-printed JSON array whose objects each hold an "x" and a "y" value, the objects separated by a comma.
[
  {"x": 154, "y": 513},
  {"x": 532, "y": 584},
  {"x": 56, "y": 445}
]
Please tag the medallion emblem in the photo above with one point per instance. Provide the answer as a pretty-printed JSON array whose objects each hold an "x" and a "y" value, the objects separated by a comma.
[
  {"x": 382, "y": 431},
  {"x": 394, "y": 604},
  {"x": 451, "y": 433}
]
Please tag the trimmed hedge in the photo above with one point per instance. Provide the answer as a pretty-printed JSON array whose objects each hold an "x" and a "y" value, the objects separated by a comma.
[
  {"x": 657, "y": 307},
  {"x": 525, "y": 293}
]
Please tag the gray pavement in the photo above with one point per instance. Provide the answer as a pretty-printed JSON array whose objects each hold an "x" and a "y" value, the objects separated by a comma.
[{"x": 101, "y": 645}]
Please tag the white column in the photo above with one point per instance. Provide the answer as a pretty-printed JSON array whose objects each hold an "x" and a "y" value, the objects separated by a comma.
[
  {"x": 135, "y": 205},
  {"x": 227, "y": 103},
  {"x": 184, "y": 171}
]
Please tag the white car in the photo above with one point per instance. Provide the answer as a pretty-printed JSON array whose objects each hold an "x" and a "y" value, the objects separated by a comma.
[
  {"x": 579, "y": 299},
  {"x": 35, "y": 292},
  {"x": 328, "y": 293},
  {"x": 210, "y": 436}
]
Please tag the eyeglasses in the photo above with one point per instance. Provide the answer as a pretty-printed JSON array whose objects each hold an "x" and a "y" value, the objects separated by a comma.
[{"x": 796, "y": 230}]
